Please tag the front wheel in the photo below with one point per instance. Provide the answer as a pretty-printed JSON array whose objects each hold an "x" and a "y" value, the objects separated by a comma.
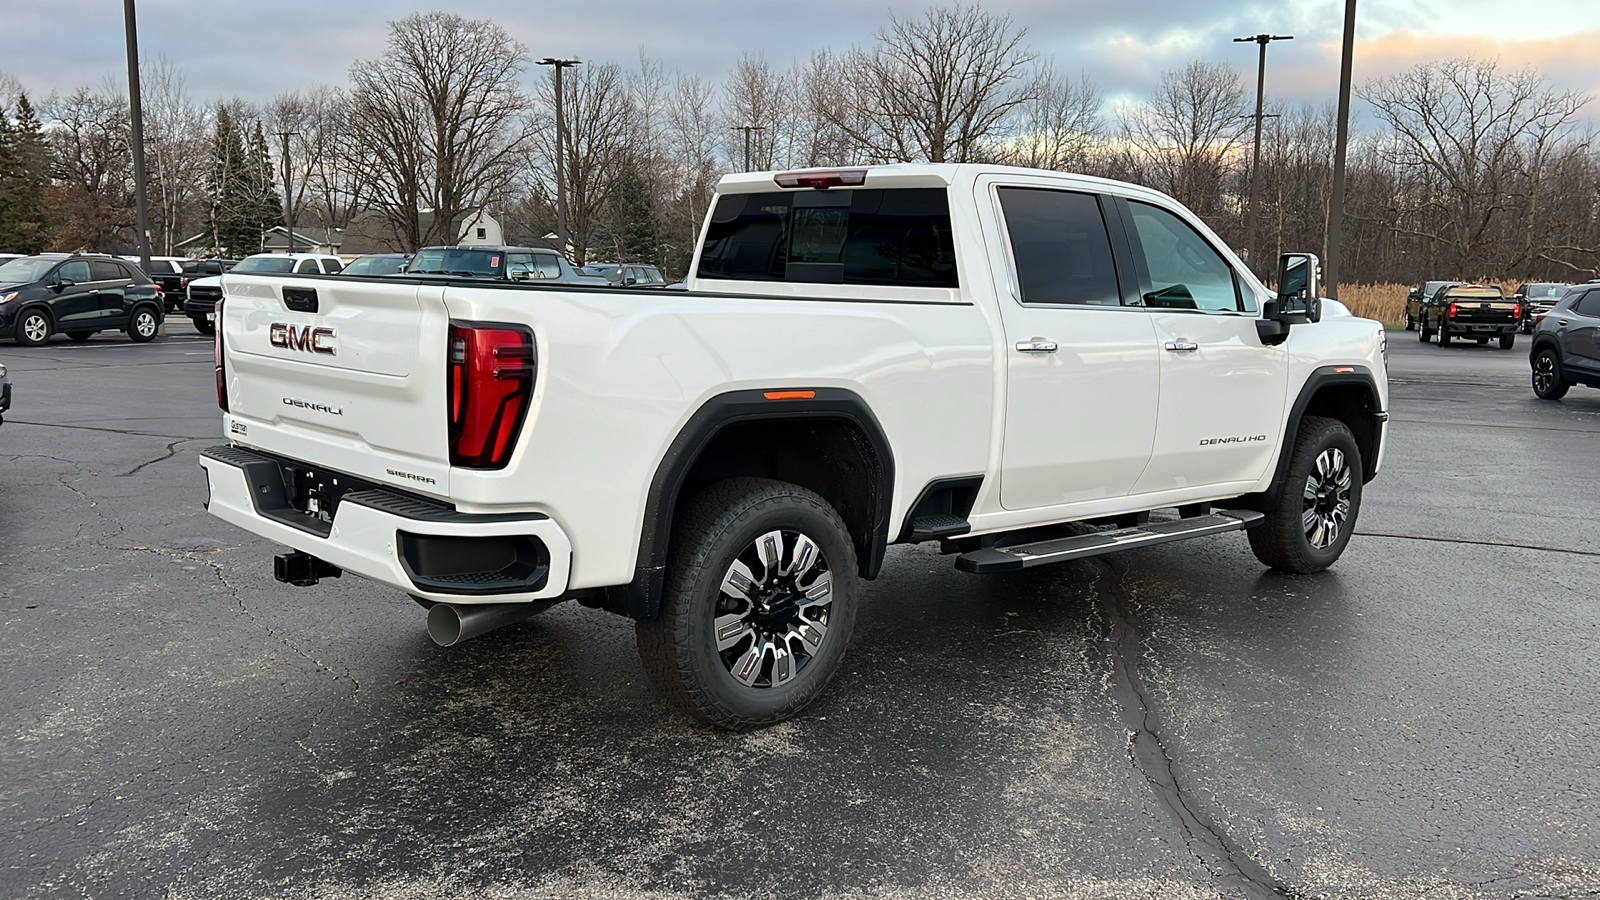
[
  {"x": 1318, "y": 505},
  {"x": 142, "y": 327},
  {"x": 1444, "y": 334},
  {"x": 34, "y": 328},
  {"x": 759, "y": 603},
  {"x": 1547, "y": 381},
  {"x": 1508, "y": 340},
  {"x": 1422, "y": 328}
]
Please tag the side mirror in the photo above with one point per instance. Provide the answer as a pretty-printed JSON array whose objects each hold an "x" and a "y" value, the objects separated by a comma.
[
  {"x": 1299, "y": 288},
  {"x": 630, "y": 280},
  {"x": 61, "y": 284},
  {"x": 518, "y": 272}
]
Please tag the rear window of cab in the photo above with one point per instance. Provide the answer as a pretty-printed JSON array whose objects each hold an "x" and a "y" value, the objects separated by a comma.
[{"x": 897, "y": 236}]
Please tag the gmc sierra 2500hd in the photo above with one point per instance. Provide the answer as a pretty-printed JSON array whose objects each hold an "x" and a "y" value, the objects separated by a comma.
[{"x": 1021, "y": 365}]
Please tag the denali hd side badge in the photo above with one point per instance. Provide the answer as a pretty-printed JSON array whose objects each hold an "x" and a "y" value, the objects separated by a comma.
[
  {"x": 1207, "y": 442},
  {"x": 311, "y": 339}
]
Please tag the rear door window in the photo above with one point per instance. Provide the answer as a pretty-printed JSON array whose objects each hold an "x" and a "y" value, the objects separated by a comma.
[
  {"x": 105, "y": 270},
  {"x": 1588, "y": 305},
  {"x": 1060, "y": 247},
  {"x": 307, "y": 267},
  {"x": 870, "y": 237}
]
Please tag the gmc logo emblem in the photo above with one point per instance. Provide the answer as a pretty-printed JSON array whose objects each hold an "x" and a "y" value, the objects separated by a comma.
[{"x": 301, "y": 337}]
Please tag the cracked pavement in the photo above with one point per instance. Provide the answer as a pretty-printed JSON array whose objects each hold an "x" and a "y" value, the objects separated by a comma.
[{"x": 1174, "y": 722}]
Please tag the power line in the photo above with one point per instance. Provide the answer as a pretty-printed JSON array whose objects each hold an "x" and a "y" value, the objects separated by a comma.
[{"x": 1255, "y": 163}]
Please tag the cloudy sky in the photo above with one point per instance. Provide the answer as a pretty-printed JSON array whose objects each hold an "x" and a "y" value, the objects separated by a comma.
[{"x": 258, "y": 49}]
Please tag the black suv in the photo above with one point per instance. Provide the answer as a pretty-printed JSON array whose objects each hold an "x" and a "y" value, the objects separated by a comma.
[
  {"x": 1566, "y": 344},
  {"x": 76, "y": 296}
]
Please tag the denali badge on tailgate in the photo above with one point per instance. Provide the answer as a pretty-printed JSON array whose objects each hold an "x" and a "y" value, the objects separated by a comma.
[{"x": 302, "y": 337}]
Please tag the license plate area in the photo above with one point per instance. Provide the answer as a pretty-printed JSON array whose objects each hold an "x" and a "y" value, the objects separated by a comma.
[{"x": 315, "y": 493}]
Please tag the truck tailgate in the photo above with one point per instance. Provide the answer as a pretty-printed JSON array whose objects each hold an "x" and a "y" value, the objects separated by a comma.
[{"x": 344, "y": 373}]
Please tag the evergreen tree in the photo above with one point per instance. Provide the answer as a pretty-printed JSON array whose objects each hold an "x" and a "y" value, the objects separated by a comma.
[
  {"x": 25, "y": 220},
  {"x": 634, "y": 215},
  {"x": 227, "y": 190},
  {"x": 262, "y": 200}
]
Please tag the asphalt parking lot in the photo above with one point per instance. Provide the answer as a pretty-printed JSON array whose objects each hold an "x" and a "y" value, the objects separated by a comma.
[{"x": 1175, "y": 722}]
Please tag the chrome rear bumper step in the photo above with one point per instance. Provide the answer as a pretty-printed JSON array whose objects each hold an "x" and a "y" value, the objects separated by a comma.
[{"x": 1024, "y": 556}]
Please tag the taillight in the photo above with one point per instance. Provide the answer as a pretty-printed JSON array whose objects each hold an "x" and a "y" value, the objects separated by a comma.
[
  {"x": 1516, "y": 310},
  {"x": 1451, "y": 311},
  {"x": 183, "y": 282},
  {"x": 216, "y": 355},
  {"x": 821, "y": 178},
  {"x": 491, "y": 370}
]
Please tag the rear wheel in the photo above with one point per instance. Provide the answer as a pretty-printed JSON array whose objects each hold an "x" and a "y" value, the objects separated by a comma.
[
  {"x": 1411, "y": 324},
  {"x": 202, "y": 326},
  {"x": 1547, "y": 381},
  {"x": 1422, "y": 328},
  {"x": 142, "y": 327},
  {"x": 34, "y": 328},
  {"x": 1320, "y": 500},
  {"x": 759, "y": 602},
  {"x": 1508, "y": 340}
]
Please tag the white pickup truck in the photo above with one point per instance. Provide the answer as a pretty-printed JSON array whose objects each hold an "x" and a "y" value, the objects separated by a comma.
[{"x": 1027, "y": 367}]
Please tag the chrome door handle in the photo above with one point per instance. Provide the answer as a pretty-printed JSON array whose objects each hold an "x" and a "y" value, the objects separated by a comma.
[
  {"x": 1182, "y": 346},
  {"x": 1036, "y": 346},
  {"x": 1562, "y": 322}
]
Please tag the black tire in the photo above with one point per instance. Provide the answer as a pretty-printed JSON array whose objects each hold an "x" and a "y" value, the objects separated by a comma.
[
  {"x": 1422, "y": 328},
  {"x": 80, "y": 336},
  {"x": 1508, "y": 340},
  {"x": 1324, "y": 483},
  {"x": 1547, "y": 381},
  {"x": 34, "y": 328},
  {"x": 785, "y": 625},
  {"x": 204, "y": 327},
  {"x": 1444, "y": 335},
  {"x": 1411, "y": 324},
  {"x": 144, "y": 323}
]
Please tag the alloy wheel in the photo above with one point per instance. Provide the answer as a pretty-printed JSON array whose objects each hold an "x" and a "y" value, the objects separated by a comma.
[
  {"x": 1326, "y": 500},
  {"x": 1544, "y": 373},
  {"x": 36, "y": 328},
  {"x": 145, "y": 324},
  {"x": 772, "y": 614}
]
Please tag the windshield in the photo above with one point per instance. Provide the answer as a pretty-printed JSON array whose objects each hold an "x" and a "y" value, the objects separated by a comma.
[
  {"x": 1544, "y": 291},
  {"x": 456, "y": 261},
  {"x": 265, "y": 264},
  {"x": 375, "y": 265},
  {"x": 25, "y": 269}
]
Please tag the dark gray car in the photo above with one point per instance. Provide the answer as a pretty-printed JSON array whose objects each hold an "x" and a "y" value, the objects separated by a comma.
[{"x": 1566, "y": 344}]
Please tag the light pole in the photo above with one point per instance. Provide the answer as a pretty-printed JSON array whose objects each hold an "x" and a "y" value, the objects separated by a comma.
[
  {"x": 561, "y": 149},
  {"x": 747, "y": 129},
  {"x": 1255, "y": 162},
  {"x": 288, "y": 187},
  {"x": 1341, "y": 141},
  {"x": 136, "y": 114}
]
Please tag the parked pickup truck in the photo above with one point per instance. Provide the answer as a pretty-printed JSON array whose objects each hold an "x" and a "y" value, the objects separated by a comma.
[
  {"x": 1025, "y": 367},
  {"x": 1471, "y": 311}
]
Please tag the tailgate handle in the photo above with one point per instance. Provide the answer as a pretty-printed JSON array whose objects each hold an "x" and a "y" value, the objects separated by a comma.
[{"x": 300, "y": 299}]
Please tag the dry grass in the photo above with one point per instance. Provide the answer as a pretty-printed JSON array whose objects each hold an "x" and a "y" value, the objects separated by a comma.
[
  {"x": 1387, "y": 302},
  {"x": 1384, "y": 302}
]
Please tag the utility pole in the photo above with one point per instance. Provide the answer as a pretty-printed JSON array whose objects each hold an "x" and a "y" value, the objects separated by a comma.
[
  {"x": 1341, "y": 142},
  {"x": 747, "y": 129},
  {"x": 136, "y": 114},
  {"x": 288, "y": 187},
  {"x": 561, "y": 150},
  {"x": 1255, "y": 163}
]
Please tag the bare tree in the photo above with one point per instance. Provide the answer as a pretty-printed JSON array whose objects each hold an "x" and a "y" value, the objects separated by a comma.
[
  {"x": 1473, "y": 143},
  {"x": 693, "y": 137},
  {"x": 1183, "y": 140},
  {"x": 597, "y": 133},
  {"x": 323, "y": 149},
  {"x": 91, "y": 168},
  {"x": 1059, "y": 127},
  {"x": 176, "y": 152},
  {"x": 759, "y": 98},
  {"x": 936, "y": 88},
  {"x": 439, "y": 122}
]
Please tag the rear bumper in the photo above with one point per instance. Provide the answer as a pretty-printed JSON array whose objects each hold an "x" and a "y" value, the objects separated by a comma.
[
  {"x": 1480, "y": 329},
  {"x": 409, "y": 544}
]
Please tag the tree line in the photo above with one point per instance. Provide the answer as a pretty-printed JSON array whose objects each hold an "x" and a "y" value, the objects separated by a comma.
[{"x": 1462, "y": 169}]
